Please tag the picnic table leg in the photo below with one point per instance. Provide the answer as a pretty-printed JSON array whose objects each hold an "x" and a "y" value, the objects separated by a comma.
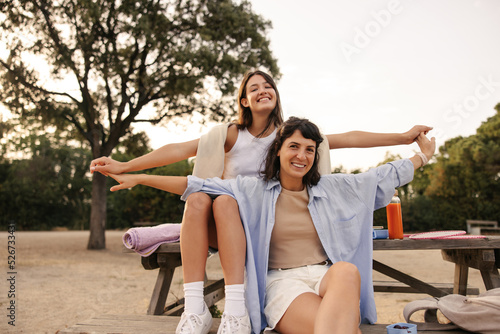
[
  {"x": 485, "y": 260},
  {"x": 491, "y": 279},
  {"x": 461, "y": 279},
  {"x": 167, "y": 263}
]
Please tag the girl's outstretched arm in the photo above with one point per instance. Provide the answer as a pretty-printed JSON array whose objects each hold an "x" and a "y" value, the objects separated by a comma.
[
  {"x": 372, "y": 139},
  {"x": 172, "y": 184},
  {"x": 165, "y": 155}
]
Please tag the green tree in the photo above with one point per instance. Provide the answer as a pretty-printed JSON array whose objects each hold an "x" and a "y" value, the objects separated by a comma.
[
  {"x": 44, "y": 185},
  {"x": 464, "y": 183},
  {"x": 108, "y": 64},
  {"x": 146, "y": 204}
]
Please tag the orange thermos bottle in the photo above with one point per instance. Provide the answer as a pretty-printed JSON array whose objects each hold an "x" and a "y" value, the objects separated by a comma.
[{"x": 394, "y": 218}]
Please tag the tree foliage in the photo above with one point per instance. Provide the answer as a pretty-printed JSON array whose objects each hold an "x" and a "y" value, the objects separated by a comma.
[
  {"x": 45, "y": 184},
  {"x": 144, "y": 204},
  {"x": 463, "y": 183},
  {"x": 119, "y": 56},
  {"x": 100, "y": 66},
  {"x": 465, "y": 179}
]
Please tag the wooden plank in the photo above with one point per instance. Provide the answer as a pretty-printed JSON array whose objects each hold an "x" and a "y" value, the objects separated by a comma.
[
  {"x": 490, "y": 231},
  {"x": 481, "y": 259},
  {"x": 409, "y": 280},
  {"x": 491, "y": 242},
  {"x": 150, "y": 324},
  {"x": 150, "y": 262},
  {"x": 398, "y": 287}
]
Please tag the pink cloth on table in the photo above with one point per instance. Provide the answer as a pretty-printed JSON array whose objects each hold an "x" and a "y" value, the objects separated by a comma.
[{"x": 145, "y": 240}]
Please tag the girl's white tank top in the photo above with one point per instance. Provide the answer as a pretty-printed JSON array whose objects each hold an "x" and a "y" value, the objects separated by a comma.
[{"x": 246, "y": 157}]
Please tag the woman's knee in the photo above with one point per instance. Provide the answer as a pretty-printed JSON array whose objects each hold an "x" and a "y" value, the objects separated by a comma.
[
  {"x": 198, "y": 202},
  {"x": 344, "y": 271},
  {"x": 225, "y": 205},
  {"x": 226, "y": 212},
  {"x": 223, "y": 202}
]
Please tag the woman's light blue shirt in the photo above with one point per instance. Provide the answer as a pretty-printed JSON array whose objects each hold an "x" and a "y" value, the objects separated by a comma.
[{"x": 341, "y": 207}]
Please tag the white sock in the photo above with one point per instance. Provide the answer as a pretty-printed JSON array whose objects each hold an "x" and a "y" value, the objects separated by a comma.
[
  {"x": 193, "y": 297},
  {"x": 235, "y": 300}
]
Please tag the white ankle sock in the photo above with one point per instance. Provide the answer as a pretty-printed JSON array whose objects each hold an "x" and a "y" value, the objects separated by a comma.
[
  {"x": 235, "y": 300},
  {"x": 193, "y": 297}
]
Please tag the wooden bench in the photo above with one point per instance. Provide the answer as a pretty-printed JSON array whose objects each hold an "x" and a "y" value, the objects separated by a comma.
[
  {"x": 146, "y": 224},
  {"x": 490, "y": 230},
  {"x": 148, "y": 324},
  {"x": 398, "y": 287},
  {"x": 477, "y": 226}
]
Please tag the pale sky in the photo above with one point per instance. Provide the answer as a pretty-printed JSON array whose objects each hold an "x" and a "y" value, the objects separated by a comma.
[{"x": 382, "y": 66}]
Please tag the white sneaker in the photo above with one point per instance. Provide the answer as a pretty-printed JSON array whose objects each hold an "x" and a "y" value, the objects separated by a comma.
[
  {"x": 235, "y": 325},
  {"x": 195, "y": 323}
]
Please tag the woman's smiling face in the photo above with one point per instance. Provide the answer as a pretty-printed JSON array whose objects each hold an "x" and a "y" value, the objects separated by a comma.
[
  {"x": 260, "y": 95},
  {"x": 296, "y": 159}
]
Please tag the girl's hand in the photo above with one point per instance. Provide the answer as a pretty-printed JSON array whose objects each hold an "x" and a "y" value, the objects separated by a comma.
[
  {"x": 412, "y": 135},
  {"x": 427, "y": 146},
  {"x": 106, "y": 165},
  {"x": 125, "y": 181}
]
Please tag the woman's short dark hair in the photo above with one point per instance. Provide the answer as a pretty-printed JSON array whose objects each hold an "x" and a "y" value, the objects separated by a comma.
[
  {"x": 245, "y": 118},
  {"x": 310, "y": 131}
]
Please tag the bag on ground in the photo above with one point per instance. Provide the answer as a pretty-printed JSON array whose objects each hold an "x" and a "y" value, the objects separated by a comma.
[{"x": 479, "y": 314}]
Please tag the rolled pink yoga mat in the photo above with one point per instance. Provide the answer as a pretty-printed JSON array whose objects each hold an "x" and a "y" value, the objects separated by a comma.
[{"x": 145, "y": 240}]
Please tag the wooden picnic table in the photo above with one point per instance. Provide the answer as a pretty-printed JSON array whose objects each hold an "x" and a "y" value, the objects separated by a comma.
[{"x": 481, "y": 254}]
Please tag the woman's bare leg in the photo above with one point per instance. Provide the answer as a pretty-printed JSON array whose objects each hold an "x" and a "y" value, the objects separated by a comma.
[
  {"x": 300, "y": 316},
  {"x": 232, "y": 251},
  {"x": 197, "y": 233},
  {"x": 335, "y": 310},
  {"x": 339, "y": 309},
  {"x": 231, "y": 239}
]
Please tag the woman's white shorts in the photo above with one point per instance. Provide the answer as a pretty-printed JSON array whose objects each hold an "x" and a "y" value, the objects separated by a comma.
[{"x": 283, "y": 286}]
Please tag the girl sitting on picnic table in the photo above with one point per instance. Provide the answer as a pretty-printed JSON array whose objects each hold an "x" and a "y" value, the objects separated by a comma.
[
  {"x": 297, "y": 224},
  {"x": 227, "y": 151}
]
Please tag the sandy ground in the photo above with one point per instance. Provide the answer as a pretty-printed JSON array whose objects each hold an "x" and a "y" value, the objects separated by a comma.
[{"x": 58, "y": 282}]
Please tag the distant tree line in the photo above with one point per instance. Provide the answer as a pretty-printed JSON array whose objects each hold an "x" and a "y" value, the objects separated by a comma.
[
  {"x": 463, "y": 183},
  {"x": 48, "y": 184}
]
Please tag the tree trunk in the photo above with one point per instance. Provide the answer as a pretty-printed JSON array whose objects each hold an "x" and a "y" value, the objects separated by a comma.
[{"x": 97, "y": 239}]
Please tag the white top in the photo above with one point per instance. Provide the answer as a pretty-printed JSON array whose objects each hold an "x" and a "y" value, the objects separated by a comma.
[{"x": 247, "y": 156}]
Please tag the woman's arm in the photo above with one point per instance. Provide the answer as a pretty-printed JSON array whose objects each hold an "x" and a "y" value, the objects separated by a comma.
[
  {"x": 165, "y": 155},
  {"x": 172, "y": 184},
  {"x": 371, "y": 139},
  {"x": 427, "y": 147}
]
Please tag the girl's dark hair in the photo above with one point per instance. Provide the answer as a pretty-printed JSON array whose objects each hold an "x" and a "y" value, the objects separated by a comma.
[
  {"x": 245, "y": 114},
  {"x": 310, "y": 131}
]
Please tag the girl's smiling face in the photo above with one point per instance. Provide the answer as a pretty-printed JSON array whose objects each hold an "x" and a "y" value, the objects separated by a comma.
[
  {"x": 260, "y": 95},
  {"x": 296, "y": 159}
]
